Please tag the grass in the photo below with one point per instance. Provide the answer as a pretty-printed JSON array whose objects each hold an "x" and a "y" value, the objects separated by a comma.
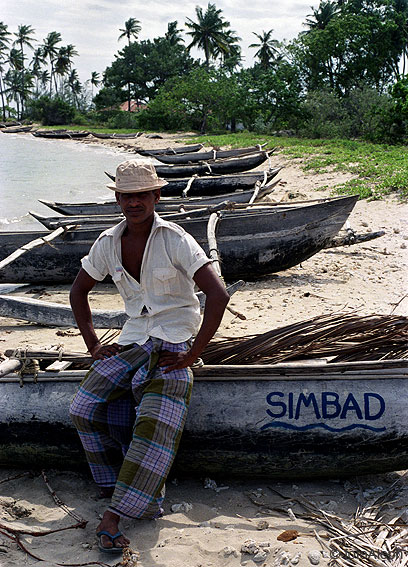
[{"x": 379, "y": 169}]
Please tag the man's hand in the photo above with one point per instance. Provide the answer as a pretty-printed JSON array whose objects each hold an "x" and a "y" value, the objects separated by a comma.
[
  {"x": 175, "y": 360},
  {"x": 99, "y": 352}
]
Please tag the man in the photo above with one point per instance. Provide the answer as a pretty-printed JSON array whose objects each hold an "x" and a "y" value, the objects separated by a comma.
[{"x": 155, "y": 265}]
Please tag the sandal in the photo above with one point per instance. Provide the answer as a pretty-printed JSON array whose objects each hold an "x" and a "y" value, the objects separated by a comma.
[{"x": 112, "y": 549}]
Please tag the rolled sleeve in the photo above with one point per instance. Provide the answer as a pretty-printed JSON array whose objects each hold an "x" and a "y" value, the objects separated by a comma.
[
  {"x": 95, "y": 262},
  {"x": 191, "y": 256}
]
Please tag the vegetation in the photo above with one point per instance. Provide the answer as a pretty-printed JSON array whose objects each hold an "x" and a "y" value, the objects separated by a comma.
[
  {"x": 343, "y": 77},
  {"x": 377, "y": 169}
]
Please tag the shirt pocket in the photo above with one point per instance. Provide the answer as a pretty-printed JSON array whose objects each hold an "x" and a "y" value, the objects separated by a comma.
[{"x": 165, "y": 281}]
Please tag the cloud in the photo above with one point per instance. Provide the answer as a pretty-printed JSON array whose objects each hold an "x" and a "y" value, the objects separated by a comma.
[{"x": 93, "y": 27}]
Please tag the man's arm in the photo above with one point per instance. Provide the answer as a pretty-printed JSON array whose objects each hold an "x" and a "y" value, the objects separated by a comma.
[
  {"x": 81, "y": 287},
  {"x": 216, "y": 301}
]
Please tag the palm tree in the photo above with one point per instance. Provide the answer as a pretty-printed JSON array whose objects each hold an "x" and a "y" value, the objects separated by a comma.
[
  {"x": 268, "y": 48},
  {"x": 322, "y": 16},
  {"x": 62, "y": 64},
  {"x": 209, "y": 33},
  {"x": 173, "y": 35},
  {"x": 36, "y": 62},
  {"x": 74, "y": 85},
  {"x": 132, "y": 29},
  {"x": 94, "y": 80},
  {"x": 232, "y": 57},
  {"x": 50, "y": 50},
  {"x": 4, "y": 40},
  {"x": 24, "y": 38}
]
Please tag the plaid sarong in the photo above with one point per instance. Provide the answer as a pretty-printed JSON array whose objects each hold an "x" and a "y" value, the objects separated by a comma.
[{"x": 130, "y": 417}]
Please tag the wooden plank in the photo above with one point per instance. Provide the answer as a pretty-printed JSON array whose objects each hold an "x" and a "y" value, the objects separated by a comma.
[{"x": 58, "y": 365}]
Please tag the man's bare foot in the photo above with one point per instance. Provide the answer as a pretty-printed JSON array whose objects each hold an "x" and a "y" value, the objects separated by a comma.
[{"x": 110, "y": 524}]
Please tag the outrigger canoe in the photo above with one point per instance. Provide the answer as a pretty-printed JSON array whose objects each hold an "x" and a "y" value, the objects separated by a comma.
[
  {"x": 216, "y": 167},
  {"x": 251, "y": 243},
  {"x": 196, "y": 186},
  {"x": 292, "y": 420},
  {"x": 209, "y": 155},
  {"x": 165, "y": 203},
  {"x": 169, "y": 150}
]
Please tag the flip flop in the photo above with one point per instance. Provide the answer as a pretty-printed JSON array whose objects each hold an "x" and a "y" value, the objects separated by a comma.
[{"x": 112, "y": 549}]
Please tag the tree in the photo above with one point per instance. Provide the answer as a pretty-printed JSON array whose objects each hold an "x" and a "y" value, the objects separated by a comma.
[
  {"x": 4, "y": 41},
  {"x": 355, "y": 47},
  {"x": 268, "y": 48},
  {"x": 50, "y": 50},
  {"x": 142, "y": 68},
  {"x": 74, "y": 85},
  {"x": 94, "y": 80},
  {"x": 209, "y": 33},
  {"x": 173, "y": 34},
  {"x": 322, "y": 16},
  {"x": 204, "y": 99},
  {"x": 132, "y": 29},
  {"x": 36, "y": 62},
  {"x": 24, "y": 38}
]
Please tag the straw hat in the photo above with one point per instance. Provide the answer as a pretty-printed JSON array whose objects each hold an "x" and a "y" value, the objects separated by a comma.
[{"x": 135, "y": 176}]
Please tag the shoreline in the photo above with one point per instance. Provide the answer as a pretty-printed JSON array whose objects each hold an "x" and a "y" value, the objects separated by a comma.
[{"x": 214, "y": 526}]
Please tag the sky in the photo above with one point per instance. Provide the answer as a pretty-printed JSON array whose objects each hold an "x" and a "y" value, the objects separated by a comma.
[{"x": 93, "y": 25}]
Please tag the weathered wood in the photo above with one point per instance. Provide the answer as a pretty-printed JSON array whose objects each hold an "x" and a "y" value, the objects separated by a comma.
[
  {"x": 353, "y": 238},
  {"x": 34, "y": 244},
  {"x": 251, "y": 242},
  {"x": 297, "y": 425},
  {"x": 58, "y": 366},
  {"x": 9, "y": 365}
]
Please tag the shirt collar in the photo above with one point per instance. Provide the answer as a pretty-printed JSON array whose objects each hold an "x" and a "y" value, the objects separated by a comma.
[{"x": 117, "y": 230}]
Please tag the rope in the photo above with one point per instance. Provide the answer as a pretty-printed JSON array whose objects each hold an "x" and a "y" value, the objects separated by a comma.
[{"x": 209, "y": 167}]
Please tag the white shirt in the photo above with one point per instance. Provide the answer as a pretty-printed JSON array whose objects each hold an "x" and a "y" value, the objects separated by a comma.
[{"x": 163, "y": 304}]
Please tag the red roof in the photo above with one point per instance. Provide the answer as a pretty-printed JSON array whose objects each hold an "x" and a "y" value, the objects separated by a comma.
[{"x": 134, "y": 107}]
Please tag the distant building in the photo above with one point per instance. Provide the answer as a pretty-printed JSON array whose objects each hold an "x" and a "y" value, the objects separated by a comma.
[{"x": 134, "y": 106}]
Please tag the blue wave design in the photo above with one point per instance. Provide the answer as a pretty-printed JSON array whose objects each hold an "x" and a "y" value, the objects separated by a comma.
[{"x": 323, "y": 426}]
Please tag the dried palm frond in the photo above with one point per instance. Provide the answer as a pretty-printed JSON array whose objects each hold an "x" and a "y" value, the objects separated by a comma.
[{"x": 342, "y": 337}]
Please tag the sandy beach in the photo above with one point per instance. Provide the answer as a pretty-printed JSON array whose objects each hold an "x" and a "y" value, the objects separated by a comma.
[{"x": 216, "y": 519}]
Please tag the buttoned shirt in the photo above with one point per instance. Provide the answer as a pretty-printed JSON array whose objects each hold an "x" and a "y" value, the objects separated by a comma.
[{"x": 163, "y": 304}]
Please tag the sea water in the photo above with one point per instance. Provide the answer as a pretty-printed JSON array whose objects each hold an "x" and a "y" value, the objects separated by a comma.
[{"x": 56, "y": 170}]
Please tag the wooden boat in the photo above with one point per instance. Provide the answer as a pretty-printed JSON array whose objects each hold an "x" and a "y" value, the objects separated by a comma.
[
  {"x": 292, "y": 420},
  {"x": 251, "y": 243},
  {"x": 209, "y": 155},
  {"x": 232, "y": 165},
  {"x": 58, "y": 315},
  {"x": 115, "y": 136},
  {"x": 17, "y": 129},
  {"x": 165, "y": 204},
  {"x": 55, "y": 314},
  {"x": 170, "y": 151},
  {"x": 60, "y": 134},
  {"x": 214, "y": 184}
]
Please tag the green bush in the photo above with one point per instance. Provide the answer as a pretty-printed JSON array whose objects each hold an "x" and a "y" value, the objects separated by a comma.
[
  {"x": 123, "y": 119},
  {"x": 51, "y": 111}
]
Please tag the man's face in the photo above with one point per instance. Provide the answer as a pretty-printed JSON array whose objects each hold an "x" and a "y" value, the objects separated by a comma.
[{"x": 138, "y": 207}]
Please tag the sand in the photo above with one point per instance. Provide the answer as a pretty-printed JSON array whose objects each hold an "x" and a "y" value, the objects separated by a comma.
[{"x": 366, "y": 278}]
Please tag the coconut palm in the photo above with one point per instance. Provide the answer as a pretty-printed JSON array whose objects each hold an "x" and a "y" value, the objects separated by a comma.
[
  {"x": 232, "y": 57},
  {"x": 94, "y": 80},
  {"x": 74, "y": 85},
  {"x": 62, "y": 64},
  {"x": 209, "y": 33},
  {"x": 4, "y": 41},
  {"x": 268, "y": 48},
  {"x": 173, "y": 35},
  {"x": 321, "y": 16},
  {"x": 24, "y": 39},
  {"x": 50, "y": 50},
  {"x": 36, "y": 63},
  {"x": 132, "y": 29}
]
